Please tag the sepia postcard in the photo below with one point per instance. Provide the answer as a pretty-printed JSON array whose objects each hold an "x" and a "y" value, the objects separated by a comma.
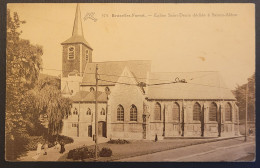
[{"x": 136, "y": 82}]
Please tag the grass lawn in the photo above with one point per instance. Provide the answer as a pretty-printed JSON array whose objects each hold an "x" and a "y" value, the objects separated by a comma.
[{"x": 142, "y": 147}]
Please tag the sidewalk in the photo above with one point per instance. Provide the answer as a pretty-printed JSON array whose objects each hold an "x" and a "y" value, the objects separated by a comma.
[
  {"x": 54, "y": 155},
  {"x": 144, "y": 147},
  {"x": 135, "y": 148}
]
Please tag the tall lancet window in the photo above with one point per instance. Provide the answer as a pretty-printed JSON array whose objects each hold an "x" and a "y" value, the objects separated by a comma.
[
  {"x": 213, "y": 112},
  {"x": 157, "y": 111},
  {"x": 196, "y": 112},
  {"x": 228, "y": 112},
  {"x": 120, "y": 113},
  {"x": 71, "y": 53},
  {"x": 176, "y": 111},
  {"x": 133, "y": 113}
]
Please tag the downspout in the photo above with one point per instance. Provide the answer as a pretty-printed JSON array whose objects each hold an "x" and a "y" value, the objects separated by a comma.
[{"x": 182, "y": 118}]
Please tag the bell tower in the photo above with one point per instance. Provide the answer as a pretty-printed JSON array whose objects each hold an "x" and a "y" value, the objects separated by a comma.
[{"x": 76, "y": 52}]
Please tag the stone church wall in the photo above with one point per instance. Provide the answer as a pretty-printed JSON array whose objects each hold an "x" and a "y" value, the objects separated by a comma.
[
  {"x": 126, "y": 96},
  {"x": 173, "y": 128},
  {"x": 85, "y": 120}
]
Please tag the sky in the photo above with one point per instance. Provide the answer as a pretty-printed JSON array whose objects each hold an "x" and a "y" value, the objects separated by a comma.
[{"x": 175, "y": 37}]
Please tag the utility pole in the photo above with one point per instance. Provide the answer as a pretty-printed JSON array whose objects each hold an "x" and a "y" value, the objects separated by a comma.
[
  {"x": 78, "y": 120},
  {"x": 96, "y": 115},
  {"x": 78, "y": 114},
  {"x": 246, "y": 113}
]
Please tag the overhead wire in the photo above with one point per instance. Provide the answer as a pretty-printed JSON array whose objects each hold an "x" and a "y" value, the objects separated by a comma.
[
  {"x": 116, "y": 82},
  {"x": 154, "y": 84},
  {"x": 125, "y": 76}
]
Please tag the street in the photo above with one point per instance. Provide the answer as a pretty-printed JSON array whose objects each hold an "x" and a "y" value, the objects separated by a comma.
[{"x": 226, "y": 150}]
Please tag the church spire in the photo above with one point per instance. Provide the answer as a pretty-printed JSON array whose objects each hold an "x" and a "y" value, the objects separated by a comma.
[
  {"x": 77, "y": 32},
  {"x": 77, "y": 28}
]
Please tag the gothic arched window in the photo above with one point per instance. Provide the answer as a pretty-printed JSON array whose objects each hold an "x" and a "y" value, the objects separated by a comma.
[
  {"x": 176, "y": 111},
  {"x": 71, "y": 52},
  {"x": 157, "y": 111},
  {"x": 107, "y": 89},
  {"x": 88, "y": 111},
  {"x": 75, "y": 112},
  {"x": 133, "y": 113},
  {"x": 213, "y": 112},
  {"x": 228, "y": 112},
  {"x": 196, "y": 112},
  {"x": 92, "y": 89},
  {"x": 102, "y": 112},
  {"x": 120, "y": 113}
]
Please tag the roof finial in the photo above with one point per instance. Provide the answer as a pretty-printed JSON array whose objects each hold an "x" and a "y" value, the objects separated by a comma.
[{"x": 77, "y": 28}]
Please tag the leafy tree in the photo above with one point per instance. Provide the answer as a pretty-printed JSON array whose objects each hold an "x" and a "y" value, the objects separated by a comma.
[
  {"x": 23, "y": 63},
  {"x": 27, "y": 97},
  {"x": 48, "y": 101},
  {"x": 240, "y": 93}
]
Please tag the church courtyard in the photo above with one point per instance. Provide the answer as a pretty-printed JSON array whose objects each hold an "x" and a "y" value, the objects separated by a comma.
[{"x": 138, "y": 150}]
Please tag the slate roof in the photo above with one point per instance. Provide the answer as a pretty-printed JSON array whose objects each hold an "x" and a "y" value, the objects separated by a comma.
[
  {"x": 114, "y": 69},
  {"x": 77, "y": 39},
  {"x": 85, "y": 96},
  {"x": 200, "y": 85}
]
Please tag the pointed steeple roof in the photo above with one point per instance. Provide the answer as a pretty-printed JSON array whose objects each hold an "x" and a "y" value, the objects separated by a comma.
[
  {"x": 77, "y": 32},
  {"x": 77, "y": 28}
]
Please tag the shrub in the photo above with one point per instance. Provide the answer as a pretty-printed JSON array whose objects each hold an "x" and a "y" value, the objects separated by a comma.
[
  {"x": 77, "y": 155},
  {"x": 53, "y": 138},
  {"x": 105, "y": 152},
  {"x": 65, "y": 139},
  {"x": 70, "y": 154},
  {"x": 81, "y": 153},
  {"x": 119, "y": 141}
]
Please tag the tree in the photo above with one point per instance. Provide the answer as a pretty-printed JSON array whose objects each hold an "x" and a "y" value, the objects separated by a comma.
[
  {"x": 27, "y": 97},
  {"x": 23, "y": 64},
  {"x": 240, "y": 94},
  {"x": 49, "y": 102}
]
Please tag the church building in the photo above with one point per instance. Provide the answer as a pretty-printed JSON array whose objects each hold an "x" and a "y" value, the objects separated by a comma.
[{"x": 136, "y": 103}]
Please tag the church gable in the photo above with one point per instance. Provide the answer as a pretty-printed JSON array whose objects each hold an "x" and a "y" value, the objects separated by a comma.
[
  {"x": 126, "y": 94},
  {"x": 111, "y": 71}
]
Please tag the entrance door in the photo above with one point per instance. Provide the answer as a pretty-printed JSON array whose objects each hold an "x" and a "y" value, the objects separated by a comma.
[
  {"x": 102, "y": 128},
  {"x": 90, "y": 130}
]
